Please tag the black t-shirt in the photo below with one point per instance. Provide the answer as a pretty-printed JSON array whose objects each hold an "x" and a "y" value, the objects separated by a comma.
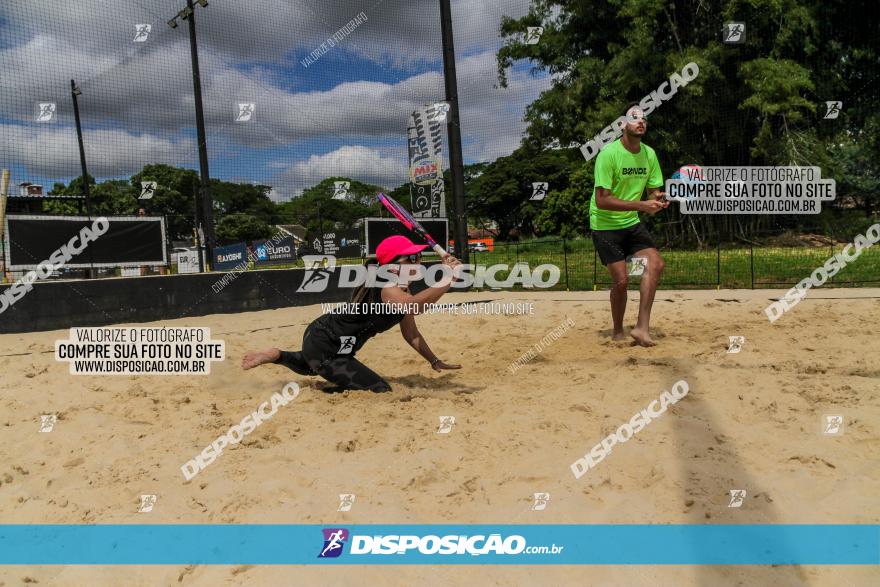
[{"x": 362, "y": 321}]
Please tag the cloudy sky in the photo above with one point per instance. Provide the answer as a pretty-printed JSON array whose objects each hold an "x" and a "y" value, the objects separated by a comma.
[{"x": 343, "y": 114}]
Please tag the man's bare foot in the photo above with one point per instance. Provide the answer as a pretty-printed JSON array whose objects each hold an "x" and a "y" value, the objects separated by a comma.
[
  {"x": 256, "y": 358},
  {"x": 618, "y": 336},
  {"x": 642, "y": 337}
]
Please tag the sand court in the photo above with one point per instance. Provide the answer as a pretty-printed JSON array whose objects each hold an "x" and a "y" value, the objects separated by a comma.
[{"x": 751, "y": 420}]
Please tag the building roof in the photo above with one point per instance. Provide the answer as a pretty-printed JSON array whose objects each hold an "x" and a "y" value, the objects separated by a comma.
[{"x": 297, "y": 231}]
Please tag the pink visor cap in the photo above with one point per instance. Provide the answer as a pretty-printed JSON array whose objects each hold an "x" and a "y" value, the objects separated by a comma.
[{"x": 396, "y": 246}]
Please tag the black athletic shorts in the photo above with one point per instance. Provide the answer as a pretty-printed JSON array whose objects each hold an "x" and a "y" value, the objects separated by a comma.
[{"x": 617, "y": 245}]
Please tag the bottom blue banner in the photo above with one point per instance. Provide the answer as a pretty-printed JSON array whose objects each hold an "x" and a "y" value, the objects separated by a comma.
[{"x": 719, "y": 544}]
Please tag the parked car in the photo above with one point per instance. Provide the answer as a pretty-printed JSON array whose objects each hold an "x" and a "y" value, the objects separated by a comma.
[{"x": 478, "y": 247}]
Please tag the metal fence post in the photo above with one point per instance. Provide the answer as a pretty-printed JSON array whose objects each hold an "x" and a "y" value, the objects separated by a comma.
[
  {"x": 594, "y": 268},
  {"x": 565, "y": 257},
  {"x": 752, "y": 263},
  {"x": 831, "y": 246},
  {"x": 517, "y": 251},
  {"x": 718, "y": 262}
]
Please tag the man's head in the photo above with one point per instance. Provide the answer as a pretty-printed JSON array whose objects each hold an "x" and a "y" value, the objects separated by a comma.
[{"x": 636, "y": 125}]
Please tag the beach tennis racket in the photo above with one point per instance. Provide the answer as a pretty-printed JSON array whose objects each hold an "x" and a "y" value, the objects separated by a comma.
[{"x": 410, "y": 222}]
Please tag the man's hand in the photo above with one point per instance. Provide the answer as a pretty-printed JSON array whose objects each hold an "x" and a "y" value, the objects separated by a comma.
[{"x": 653, "y": 206}]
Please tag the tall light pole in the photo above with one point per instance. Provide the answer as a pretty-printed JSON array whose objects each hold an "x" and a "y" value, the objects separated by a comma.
[
  {"x": 205, "y": 198},
  {"x": 453, "y": 129},
  {"x": 74, "y": 92}
]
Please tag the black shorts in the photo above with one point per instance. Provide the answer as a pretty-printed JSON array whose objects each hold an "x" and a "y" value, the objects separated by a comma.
[{"x": 617, "y": 245}]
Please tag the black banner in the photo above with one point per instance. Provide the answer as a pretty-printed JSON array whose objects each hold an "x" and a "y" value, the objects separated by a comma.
[
  {"x": 131, "y": 241},
  {"x": 342, "y": 244},
  {"x": 378, "y": 229}
]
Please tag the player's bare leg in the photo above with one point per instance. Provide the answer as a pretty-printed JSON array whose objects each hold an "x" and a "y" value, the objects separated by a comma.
[
  {"x": 256, "y": 358},
  {"x": 619, "y": 282},
  {"x": 648, "y": 287}
]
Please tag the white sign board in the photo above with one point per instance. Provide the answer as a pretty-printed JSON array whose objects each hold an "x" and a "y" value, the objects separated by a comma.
[{"x": 188, "y": 262}]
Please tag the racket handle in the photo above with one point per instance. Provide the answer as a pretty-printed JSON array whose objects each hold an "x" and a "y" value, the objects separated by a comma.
[{"x": 439, "y": 250}]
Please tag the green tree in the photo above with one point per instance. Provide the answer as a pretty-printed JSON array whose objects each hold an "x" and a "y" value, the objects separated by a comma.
[
  {"x": 500, "y": 192},
  {"x": 317, "y": 202},
  {"x": 760, "y": 103},
  {"x": 174, "y": 197},
  {"x": 244, "y": 198},
  {"x": 566, "y": 211},
  {"x": 110, "y": 197},
  {"x": 402, "y": 194},
  {"x": 234, "y": 228}
]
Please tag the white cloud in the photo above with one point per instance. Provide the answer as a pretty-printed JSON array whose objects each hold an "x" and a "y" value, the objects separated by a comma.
[
  {"x": 58, "y": 153},
  {"x": 491, "y": 122},
  {"x": 354, "y": 161},
  {"x": 140, "y": 94}
]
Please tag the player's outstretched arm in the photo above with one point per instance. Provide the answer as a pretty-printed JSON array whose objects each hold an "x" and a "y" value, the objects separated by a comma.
[{"x": 411, "y": 335}]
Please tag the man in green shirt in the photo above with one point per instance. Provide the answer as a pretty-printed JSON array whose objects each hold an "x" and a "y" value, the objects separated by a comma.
[{"x": 623, "y": 170}]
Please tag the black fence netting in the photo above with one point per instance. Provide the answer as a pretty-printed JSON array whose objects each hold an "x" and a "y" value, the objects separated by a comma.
[{"x": 302, "y": 112}]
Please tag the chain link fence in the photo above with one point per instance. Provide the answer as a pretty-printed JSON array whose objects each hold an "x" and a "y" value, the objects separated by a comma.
[{"x": 726, "y": 265}]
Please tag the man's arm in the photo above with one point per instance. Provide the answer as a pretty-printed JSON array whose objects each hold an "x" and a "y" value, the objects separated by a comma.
[
  {"x": 606, "y": 201},
  {"x": 604, "y": 179}
]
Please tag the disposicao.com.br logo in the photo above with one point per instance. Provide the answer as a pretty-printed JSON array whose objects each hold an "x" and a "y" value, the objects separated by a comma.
[
  {"x": 334, "y": 541},
  {"x": 319, "y": 268}
]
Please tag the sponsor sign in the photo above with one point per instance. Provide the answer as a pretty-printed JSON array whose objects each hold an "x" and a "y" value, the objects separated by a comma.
[
  {"x": 188, "y": 262},
  {"x": 425, "y": 146},
  {"x": 268, "y": 251},
  {"x": 225, "y": 258},
  {"x": 339, "y": 243}
]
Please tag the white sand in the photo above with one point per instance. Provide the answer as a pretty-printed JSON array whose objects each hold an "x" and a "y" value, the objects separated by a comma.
[{"x": 750, "y": 421}]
